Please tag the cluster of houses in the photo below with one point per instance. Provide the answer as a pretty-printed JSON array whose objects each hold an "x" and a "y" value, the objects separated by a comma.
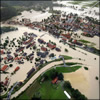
[{"x": 56, "y": 24}]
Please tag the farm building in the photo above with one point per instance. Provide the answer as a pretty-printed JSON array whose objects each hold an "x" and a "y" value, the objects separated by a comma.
[{"x": 55, "y": 80}]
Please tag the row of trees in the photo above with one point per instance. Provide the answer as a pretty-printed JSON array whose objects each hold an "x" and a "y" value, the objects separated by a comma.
[
  {"x": 74, "y": 92},
  {"x": 7, "y": 13},
  {"x": 7, "y": 29}
]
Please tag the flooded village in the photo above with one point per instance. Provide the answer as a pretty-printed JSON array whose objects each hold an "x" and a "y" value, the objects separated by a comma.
[{"x": 38, "y": 41}]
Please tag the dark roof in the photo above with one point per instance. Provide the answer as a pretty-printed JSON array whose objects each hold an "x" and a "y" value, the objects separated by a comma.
[
  {"x": 51, "y": 55},
  {"x": 57, "y": 49},
  {"x": 30, "y": 72},
  {"x": 41, "y": 41},
  {"x": 37, "y": 64},
  {"x": 43, "y": 55},
  {"x": 24, "y": 54},
  {"x": 19, "y": 49},
  {"x": 41, "y": 62},
  {"x": 30, "y": 54}
]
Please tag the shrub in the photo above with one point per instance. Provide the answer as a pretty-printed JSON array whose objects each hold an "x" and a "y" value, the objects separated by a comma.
[
  {"x": 66, "y": 50},
  {"x": 67, "y": 85},
  {"x": 96, "y": 78},
  {"x": 85, "y": 68},
  {"x": 10, "y": 65}
]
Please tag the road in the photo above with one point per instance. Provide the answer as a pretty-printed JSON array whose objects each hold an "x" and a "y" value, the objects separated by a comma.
[{"x": 39, "y": 73}]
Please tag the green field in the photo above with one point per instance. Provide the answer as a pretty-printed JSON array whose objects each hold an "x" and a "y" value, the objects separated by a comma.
[
  {"x": 84, "y": 41},
  {"x": 70, "y": 63},
  {"x": 75, "y": 2},
  {"x": 51, "y": 91},
  {"x": 28, "y": 93},
  {"x": 91, "y": 4},
  {"x": 67, "y": 69},
  {"x": 47, "y": 90}
]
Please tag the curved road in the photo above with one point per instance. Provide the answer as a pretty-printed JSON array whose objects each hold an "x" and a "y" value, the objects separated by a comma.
[{"x": 40, "y": 72}]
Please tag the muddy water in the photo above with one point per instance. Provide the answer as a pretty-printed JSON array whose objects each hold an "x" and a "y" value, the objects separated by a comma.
[{"x": 81, "y": 79}]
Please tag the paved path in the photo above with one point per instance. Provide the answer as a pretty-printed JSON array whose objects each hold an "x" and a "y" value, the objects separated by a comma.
[{"x": 40, "y": 72}]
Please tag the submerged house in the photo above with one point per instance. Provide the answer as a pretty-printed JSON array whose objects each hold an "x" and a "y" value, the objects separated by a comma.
[
  {"x": 9, "y": 57},
  {"x": 67, "y": 36},
  {"x": 24, "y": 54},
  {"x": 30, "y": 55},
  {"x": 51, "y": 46},
  {"x": 43, "y": 49},
  {"x": 28, "y": 41},
  {"x": 25, "y": 33},
  {"x": 30, "y": 45},
  {"x": 42, "y": 55},
  {"x": 2, "y": 52},
  {"x": 16, "y": 69},
  {"x": 6, "y": 81},
  {"x": 57, "y": 49},
  {"x": 30, "y": 72},
  {"x": 32, "y": 35},
  {"x": 4, "y": 67},
  {"x": 41, "y": 41},
  {"x": 19, "y": 49},
  {"x": 15, "y": 54}
]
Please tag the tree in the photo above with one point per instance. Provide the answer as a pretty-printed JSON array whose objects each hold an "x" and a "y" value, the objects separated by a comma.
[
  {"x": 66, "y": 50},
  {"x": 10, "y": 65},
  {"x": 54, "y": 74},
  {"x": 5, "y": 89},
  {"x": 67, "y": 85},
  {"x": 60, "y": 76},
  {"x": 96, "y": 78},
  {"x": 34, "y": 47},
  {"x": 7, "y": 13}
]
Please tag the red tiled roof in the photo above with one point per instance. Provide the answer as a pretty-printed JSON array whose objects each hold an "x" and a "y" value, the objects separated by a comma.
[
  {"x": 5, "y": 83},
  {"x": 28, "y": 41},
  {"x": 16, "y": 58},
  {"x": 85, "y": 33},
  {"x": 5, "y": 58},
  {"x": 51, "y": 46},
  {"x": 55, "y": 80},
  {"x": 17, "y": 68},
  {"x": 75, "y": 41},
  {"x": 4, "y": 68},
  {"x": 66, "y": 36},
  {"x": 1, "y": 52},
  {"x": 64, "y": 39},
  {"x": 43, "y": 48}
]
